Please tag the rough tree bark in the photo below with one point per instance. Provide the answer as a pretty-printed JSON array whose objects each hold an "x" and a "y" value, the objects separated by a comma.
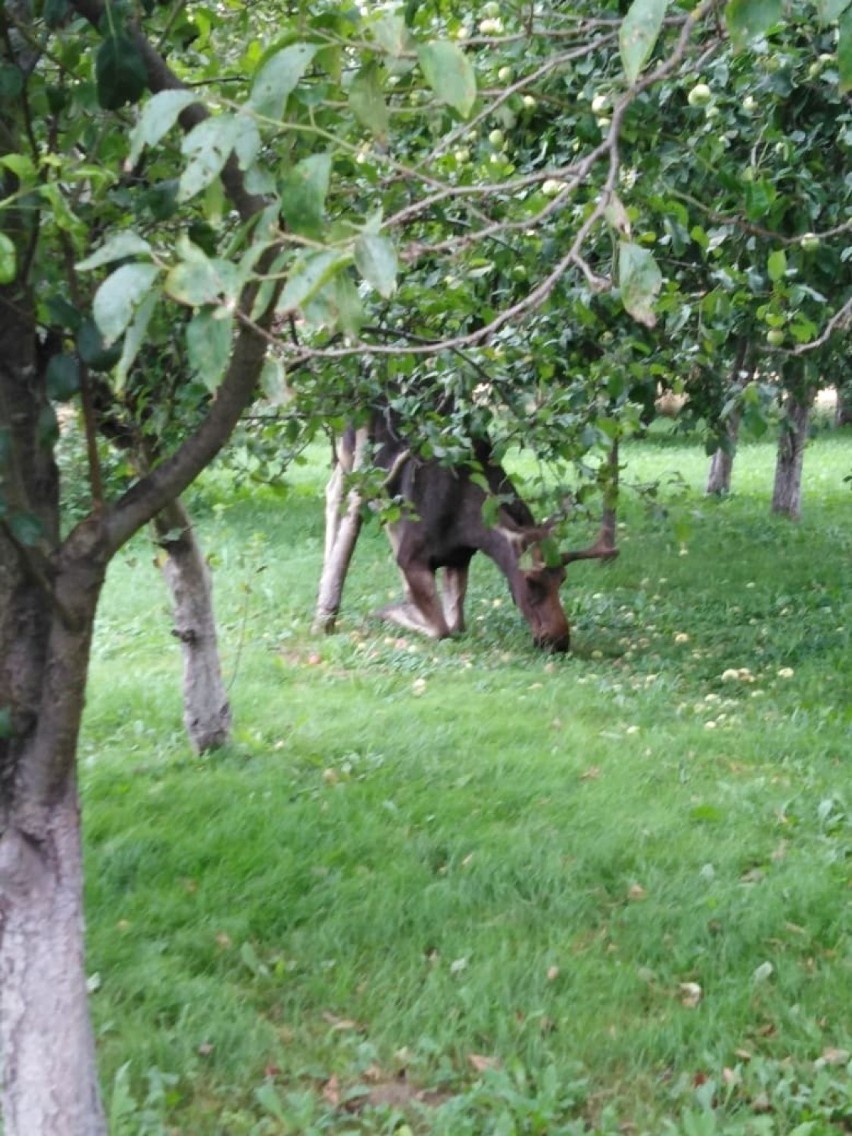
[
  {"x": 48, "y": 595},
  {"x": 206, "y": 709},
  {"x": 787, "y": 490},
  {"x": 47, "y": 1040},
  {"x": 342, "y": 526},
  {"x": 722, "y": 461}
]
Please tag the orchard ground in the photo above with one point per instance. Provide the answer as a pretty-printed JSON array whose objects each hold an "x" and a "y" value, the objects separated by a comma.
[{"x": 468, "y": 888}]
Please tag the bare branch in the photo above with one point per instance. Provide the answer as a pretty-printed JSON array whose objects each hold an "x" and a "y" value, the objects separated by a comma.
[{"x": 840, "y": 321}]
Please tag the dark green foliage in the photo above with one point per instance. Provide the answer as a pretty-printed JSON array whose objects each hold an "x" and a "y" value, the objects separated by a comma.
[{"x": 120, "y": 71}]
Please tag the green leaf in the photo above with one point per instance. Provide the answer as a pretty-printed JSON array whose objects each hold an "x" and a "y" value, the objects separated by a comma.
[
  {"x": 267, "y": 1097},
  {"x": 11, "y": 81},
  {"x": 21, "y": 166},
  {"x": 55, "y": 12},
  {"x": 249, "y": 957},
  {"x": 197, "y": 280},
  {"x": 776, "y": 265},
  {"x": 118, "y": 247},
  {"x": 208, "y": 146},
  {"x": 62, "y": 313},
  {"x": 830, "y": 10},
  {"x": 391, "y": 34},
  {"x": 303, "y": 193},
  {"x": 761, "y": 196},
  {"x": 330, "y": 59},
  {"x": 640, "y": 280},
  {"x": 158, "y": 116},
  {"x": 5, "y": 722},
  {"x": 307, "y": 276},
  {"x": 62, "y": 377},
  {"x": 747, "y": 19},
  {"x": 248, "y": 143},
  {"x": 337, "y": 306},
  {"x": 134, "y": 337},
  {"x": 367, "y": 102},
  {"x": 278, "y": 76},
  {"x": 8, "y": 260},
  {"x": 638, "y": 35},
  {"x": 844, "y": 51},
  {"x": 375, "y": 259},
  {"x": 161, "y": 199},
  {"x": 120, "y": 295},
  {"x": 120, "y": 72},
  {"x": 449, "y": 73},
  {"x": 347, "y": 301},
  {"x": 92, "y": 349},
  {"x": 208, "y": 340}
]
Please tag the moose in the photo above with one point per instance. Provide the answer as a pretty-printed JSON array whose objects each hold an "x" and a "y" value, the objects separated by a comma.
[{"x": 442, "y": 526}]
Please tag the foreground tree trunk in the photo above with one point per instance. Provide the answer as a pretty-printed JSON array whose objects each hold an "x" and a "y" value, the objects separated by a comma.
[
  {"x": 342, "y": 526},
  {"x": 206, "y": 709},
  {"x": 48, "y": 596},
  {"x": 46, "y": 1034},
  {"x": 787, "y": 491}
]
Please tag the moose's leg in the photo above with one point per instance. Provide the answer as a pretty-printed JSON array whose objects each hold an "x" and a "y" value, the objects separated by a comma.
[
  {"x": 421, "y": 611},
  {"x": 453, "y": 590}
]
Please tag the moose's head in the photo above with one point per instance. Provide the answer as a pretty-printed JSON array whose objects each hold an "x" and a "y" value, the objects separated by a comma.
[{"x": 536, "y": 581}]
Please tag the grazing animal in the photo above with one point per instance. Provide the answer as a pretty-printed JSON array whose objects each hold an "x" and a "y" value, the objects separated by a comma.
[{"x": 442, "y": 527}]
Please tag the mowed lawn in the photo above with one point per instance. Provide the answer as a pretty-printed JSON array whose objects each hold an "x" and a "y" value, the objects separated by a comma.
[{"x": 466, "y": 887}]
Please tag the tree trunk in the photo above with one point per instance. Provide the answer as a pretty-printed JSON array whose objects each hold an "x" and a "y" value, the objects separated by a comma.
[
  {"x": 609, "y": 517},
  {"x": 48, "y": 596},
  {"x": 206, "y": 709},
  {"x": 787, "y": 492},
  {"x": 843, "y": 410},
  {"x": 50, "y": 1076},
  {"x": 341, "y": 532},
  {"x": 722, "y": 461}
]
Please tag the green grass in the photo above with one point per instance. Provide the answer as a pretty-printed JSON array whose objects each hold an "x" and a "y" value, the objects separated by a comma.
[{"x": 467, "y": 887}]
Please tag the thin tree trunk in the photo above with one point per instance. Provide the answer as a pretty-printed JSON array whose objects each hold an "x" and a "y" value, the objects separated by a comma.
[
  {"x": 206, "y": 709},
  {"x": 843, "y": 410},
  {"x": 606, "y": 537},
  {"x": 722, "y": 461},
  {"x": 787, "y": 492},
  {"x": 342, "y": 527}
]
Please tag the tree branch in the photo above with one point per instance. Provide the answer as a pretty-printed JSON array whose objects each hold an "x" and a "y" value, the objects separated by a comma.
[{"x": 172, "y": 476}]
